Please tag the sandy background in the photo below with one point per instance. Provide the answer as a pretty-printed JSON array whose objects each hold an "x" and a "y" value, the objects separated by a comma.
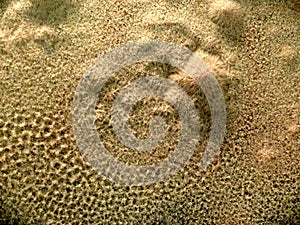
[{"x": 251, "y": 46}]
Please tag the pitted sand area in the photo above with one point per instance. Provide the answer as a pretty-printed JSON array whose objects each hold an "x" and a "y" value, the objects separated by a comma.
[{"x": 253, "y": 49}]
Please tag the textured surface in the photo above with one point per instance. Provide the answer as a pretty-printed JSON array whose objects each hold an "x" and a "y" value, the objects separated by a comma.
[{"x": 253, "y": 49}]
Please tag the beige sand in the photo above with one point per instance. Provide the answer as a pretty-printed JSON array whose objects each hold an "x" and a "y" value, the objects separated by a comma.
[{"x": 251, "y": 46}]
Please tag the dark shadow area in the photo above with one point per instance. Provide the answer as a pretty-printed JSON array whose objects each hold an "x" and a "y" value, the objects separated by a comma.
[
  {"x": 230, "y": 30},
  {"x": 290, "y": 211},
  {"x": 193, "y": 42},
  {"x": 178, "y": 31},
  {"x": 50, "y": 12},
  {"x": 280, "y": 5},
  {"x": 232, "y": 33},
  {"x": 51, "y": 43},
  {"x": 182, "y": 35},
  {"x": 3, "y": 6},
  {"x": 294, "y": 5},
  {"x": 174, "y": 32},
  {"x": 290, "y": 4},
  {"x": 8, "y": 217}
]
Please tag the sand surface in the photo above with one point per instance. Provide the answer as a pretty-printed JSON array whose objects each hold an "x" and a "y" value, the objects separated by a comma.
[{"x": 253, "y": 49}]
